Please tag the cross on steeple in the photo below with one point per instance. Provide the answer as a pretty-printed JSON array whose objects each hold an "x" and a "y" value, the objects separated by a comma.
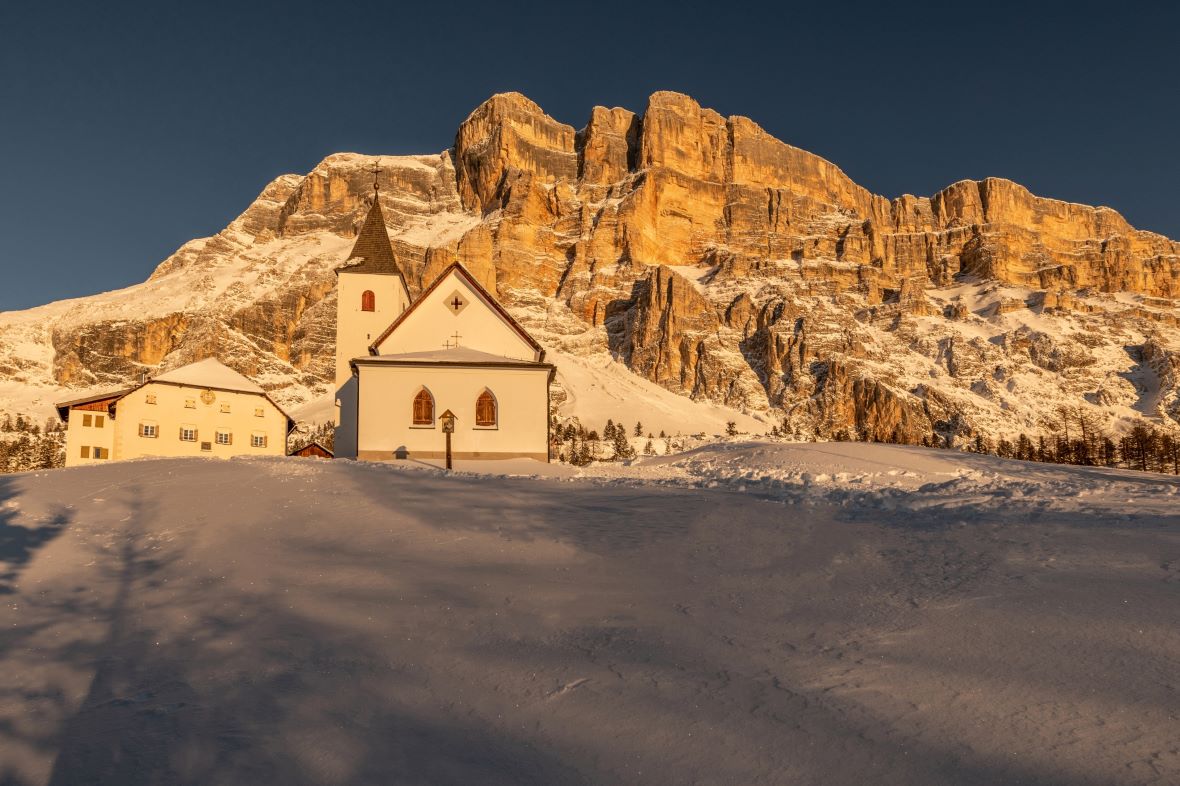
[
  {"x": 456, "y": 303},
  {"x": 376, "y": 168},
  {"x": 448, "y": 344}
]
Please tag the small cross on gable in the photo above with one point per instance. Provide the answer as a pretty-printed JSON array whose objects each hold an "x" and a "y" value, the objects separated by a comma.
[{"x": 456, "y": 302}]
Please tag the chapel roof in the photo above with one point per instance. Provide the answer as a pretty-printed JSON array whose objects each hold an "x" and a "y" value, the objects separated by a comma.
[
  {"x": 452, "y": 355},
  {"x": 372, "y": 253}
]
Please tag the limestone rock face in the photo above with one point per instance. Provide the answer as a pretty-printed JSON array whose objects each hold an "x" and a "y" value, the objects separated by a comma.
[
  {"x": 506, "y": 136},
  {"x": 707, "y": 255}
]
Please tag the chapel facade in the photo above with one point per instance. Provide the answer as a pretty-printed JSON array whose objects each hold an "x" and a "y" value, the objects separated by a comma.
[{"x": 402, "y": 363}]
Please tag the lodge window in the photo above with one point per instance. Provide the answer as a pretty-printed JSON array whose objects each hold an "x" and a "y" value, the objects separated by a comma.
[
  {"x": 188, "y": 434},
  {"x": 87, "y": 420},
  {"x": 225, "y": 408},
  {"x": 423, "y": 408},
  {"x": 85, "y": 451},
  {"x": 485, "y": 409},
  {"x": 258, "y": 440},
  {"x": 102, "y": 453},
  {"x": 206, "y": 446},
  {"x": 368, "y": 301},
  {"x": 150, "y": 430},
  {"x": 150, "y": 398},
  {"x": 258, "y": 412},
  {"x": 98, "y": 421},
  {"x": 190, "y": 403},
  {"x": 225, "y": 438}
]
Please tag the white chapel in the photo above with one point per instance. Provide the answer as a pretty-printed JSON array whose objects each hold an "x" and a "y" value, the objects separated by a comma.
[{"x": 401, "y": 364}]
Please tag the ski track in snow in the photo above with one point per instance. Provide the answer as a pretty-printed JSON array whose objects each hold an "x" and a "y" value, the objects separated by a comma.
[{"x": 747, "y": 612}]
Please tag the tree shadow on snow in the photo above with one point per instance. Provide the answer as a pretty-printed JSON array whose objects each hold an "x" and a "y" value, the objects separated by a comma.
[
  {"x": 19, "y": 543},
  {"x": 197, "y": 682}
]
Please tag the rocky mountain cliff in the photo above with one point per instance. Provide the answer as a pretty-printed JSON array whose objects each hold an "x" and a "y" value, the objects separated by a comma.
[{"x": 701, "y": 252}]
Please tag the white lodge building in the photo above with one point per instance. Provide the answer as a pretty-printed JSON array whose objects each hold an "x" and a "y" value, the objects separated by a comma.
[
  {"x": 400, "y": 366},
  {"x": 202, "y": 409}
]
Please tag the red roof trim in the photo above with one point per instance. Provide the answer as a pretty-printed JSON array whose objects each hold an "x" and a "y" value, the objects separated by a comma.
[{"x": 483, "y": 293}]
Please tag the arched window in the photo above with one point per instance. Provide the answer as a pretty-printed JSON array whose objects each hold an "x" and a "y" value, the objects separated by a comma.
[
  {"x": 423, "y": 408},
  {"x": 368, "y": 300},
  {"x": 485, "y": 409}
]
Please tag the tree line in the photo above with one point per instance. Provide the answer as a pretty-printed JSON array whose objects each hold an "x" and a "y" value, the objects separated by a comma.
[
  {"x": 573, "y": 443},
  {"x": 25, "y": 445},
  {"x": 1079, "y": 438}
]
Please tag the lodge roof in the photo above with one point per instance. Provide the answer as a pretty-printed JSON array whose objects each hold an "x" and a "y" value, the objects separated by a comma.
[
  {"x": 209, "y": 373},
  {"x": 63, "y": 407}
]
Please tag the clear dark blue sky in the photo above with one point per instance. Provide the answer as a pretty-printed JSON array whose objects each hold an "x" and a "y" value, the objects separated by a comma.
[{"x": 127, "y": 129}]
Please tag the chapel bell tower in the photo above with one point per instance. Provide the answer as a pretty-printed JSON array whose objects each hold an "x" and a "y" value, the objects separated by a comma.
[
  {"x": 370, "y": 290},
  {"x": 370, "y": 294}
]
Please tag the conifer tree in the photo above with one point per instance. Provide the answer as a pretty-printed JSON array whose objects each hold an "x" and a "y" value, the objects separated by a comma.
[
  {"x": 623, "y": 449},
  {"x": 638, "y": 429}
]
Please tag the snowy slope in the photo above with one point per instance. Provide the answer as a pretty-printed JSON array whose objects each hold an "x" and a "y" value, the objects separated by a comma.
[{"x": 826, "y": 613}]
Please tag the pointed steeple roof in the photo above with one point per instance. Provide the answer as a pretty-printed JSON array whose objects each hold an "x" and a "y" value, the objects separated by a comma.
[{"x": 372, "y": 252}]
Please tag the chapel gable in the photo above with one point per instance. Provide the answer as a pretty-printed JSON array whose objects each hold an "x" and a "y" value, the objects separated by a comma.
[{"x": 455, "y": 311}]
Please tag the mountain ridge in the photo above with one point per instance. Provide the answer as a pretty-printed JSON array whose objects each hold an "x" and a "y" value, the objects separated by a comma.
[{"x": 698, "y": 250}]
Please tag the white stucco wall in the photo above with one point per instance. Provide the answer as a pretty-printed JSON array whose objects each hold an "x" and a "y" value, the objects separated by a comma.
[
  {"x": 433, "y": 322},
  {"x": 169, "y": 413},
  {"x": 92, "y": 436},
  {"x": 386, "y": 411},
  {"x": 355, "y": 328}
]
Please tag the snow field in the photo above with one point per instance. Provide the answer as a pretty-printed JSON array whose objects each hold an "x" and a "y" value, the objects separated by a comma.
[{"x": 921, "y": 616}]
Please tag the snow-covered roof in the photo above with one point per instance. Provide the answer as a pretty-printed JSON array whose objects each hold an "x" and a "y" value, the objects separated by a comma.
[
  {"x": 452, "y": 355},
  {"x": 209, "y": 373}
]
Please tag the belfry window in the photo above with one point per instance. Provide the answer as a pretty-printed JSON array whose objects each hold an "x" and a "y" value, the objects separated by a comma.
[
  {"x": 485, "y": 409},
  {"x": 368, "y": 301},
  {"x": 423, "y": 408}
]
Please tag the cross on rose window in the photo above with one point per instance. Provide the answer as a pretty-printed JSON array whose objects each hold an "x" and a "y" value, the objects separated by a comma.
[{"x": 456, "y": 302}]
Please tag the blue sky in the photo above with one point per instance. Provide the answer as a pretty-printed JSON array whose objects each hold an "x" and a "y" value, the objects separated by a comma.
[{"x": 130, "y": 128}]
